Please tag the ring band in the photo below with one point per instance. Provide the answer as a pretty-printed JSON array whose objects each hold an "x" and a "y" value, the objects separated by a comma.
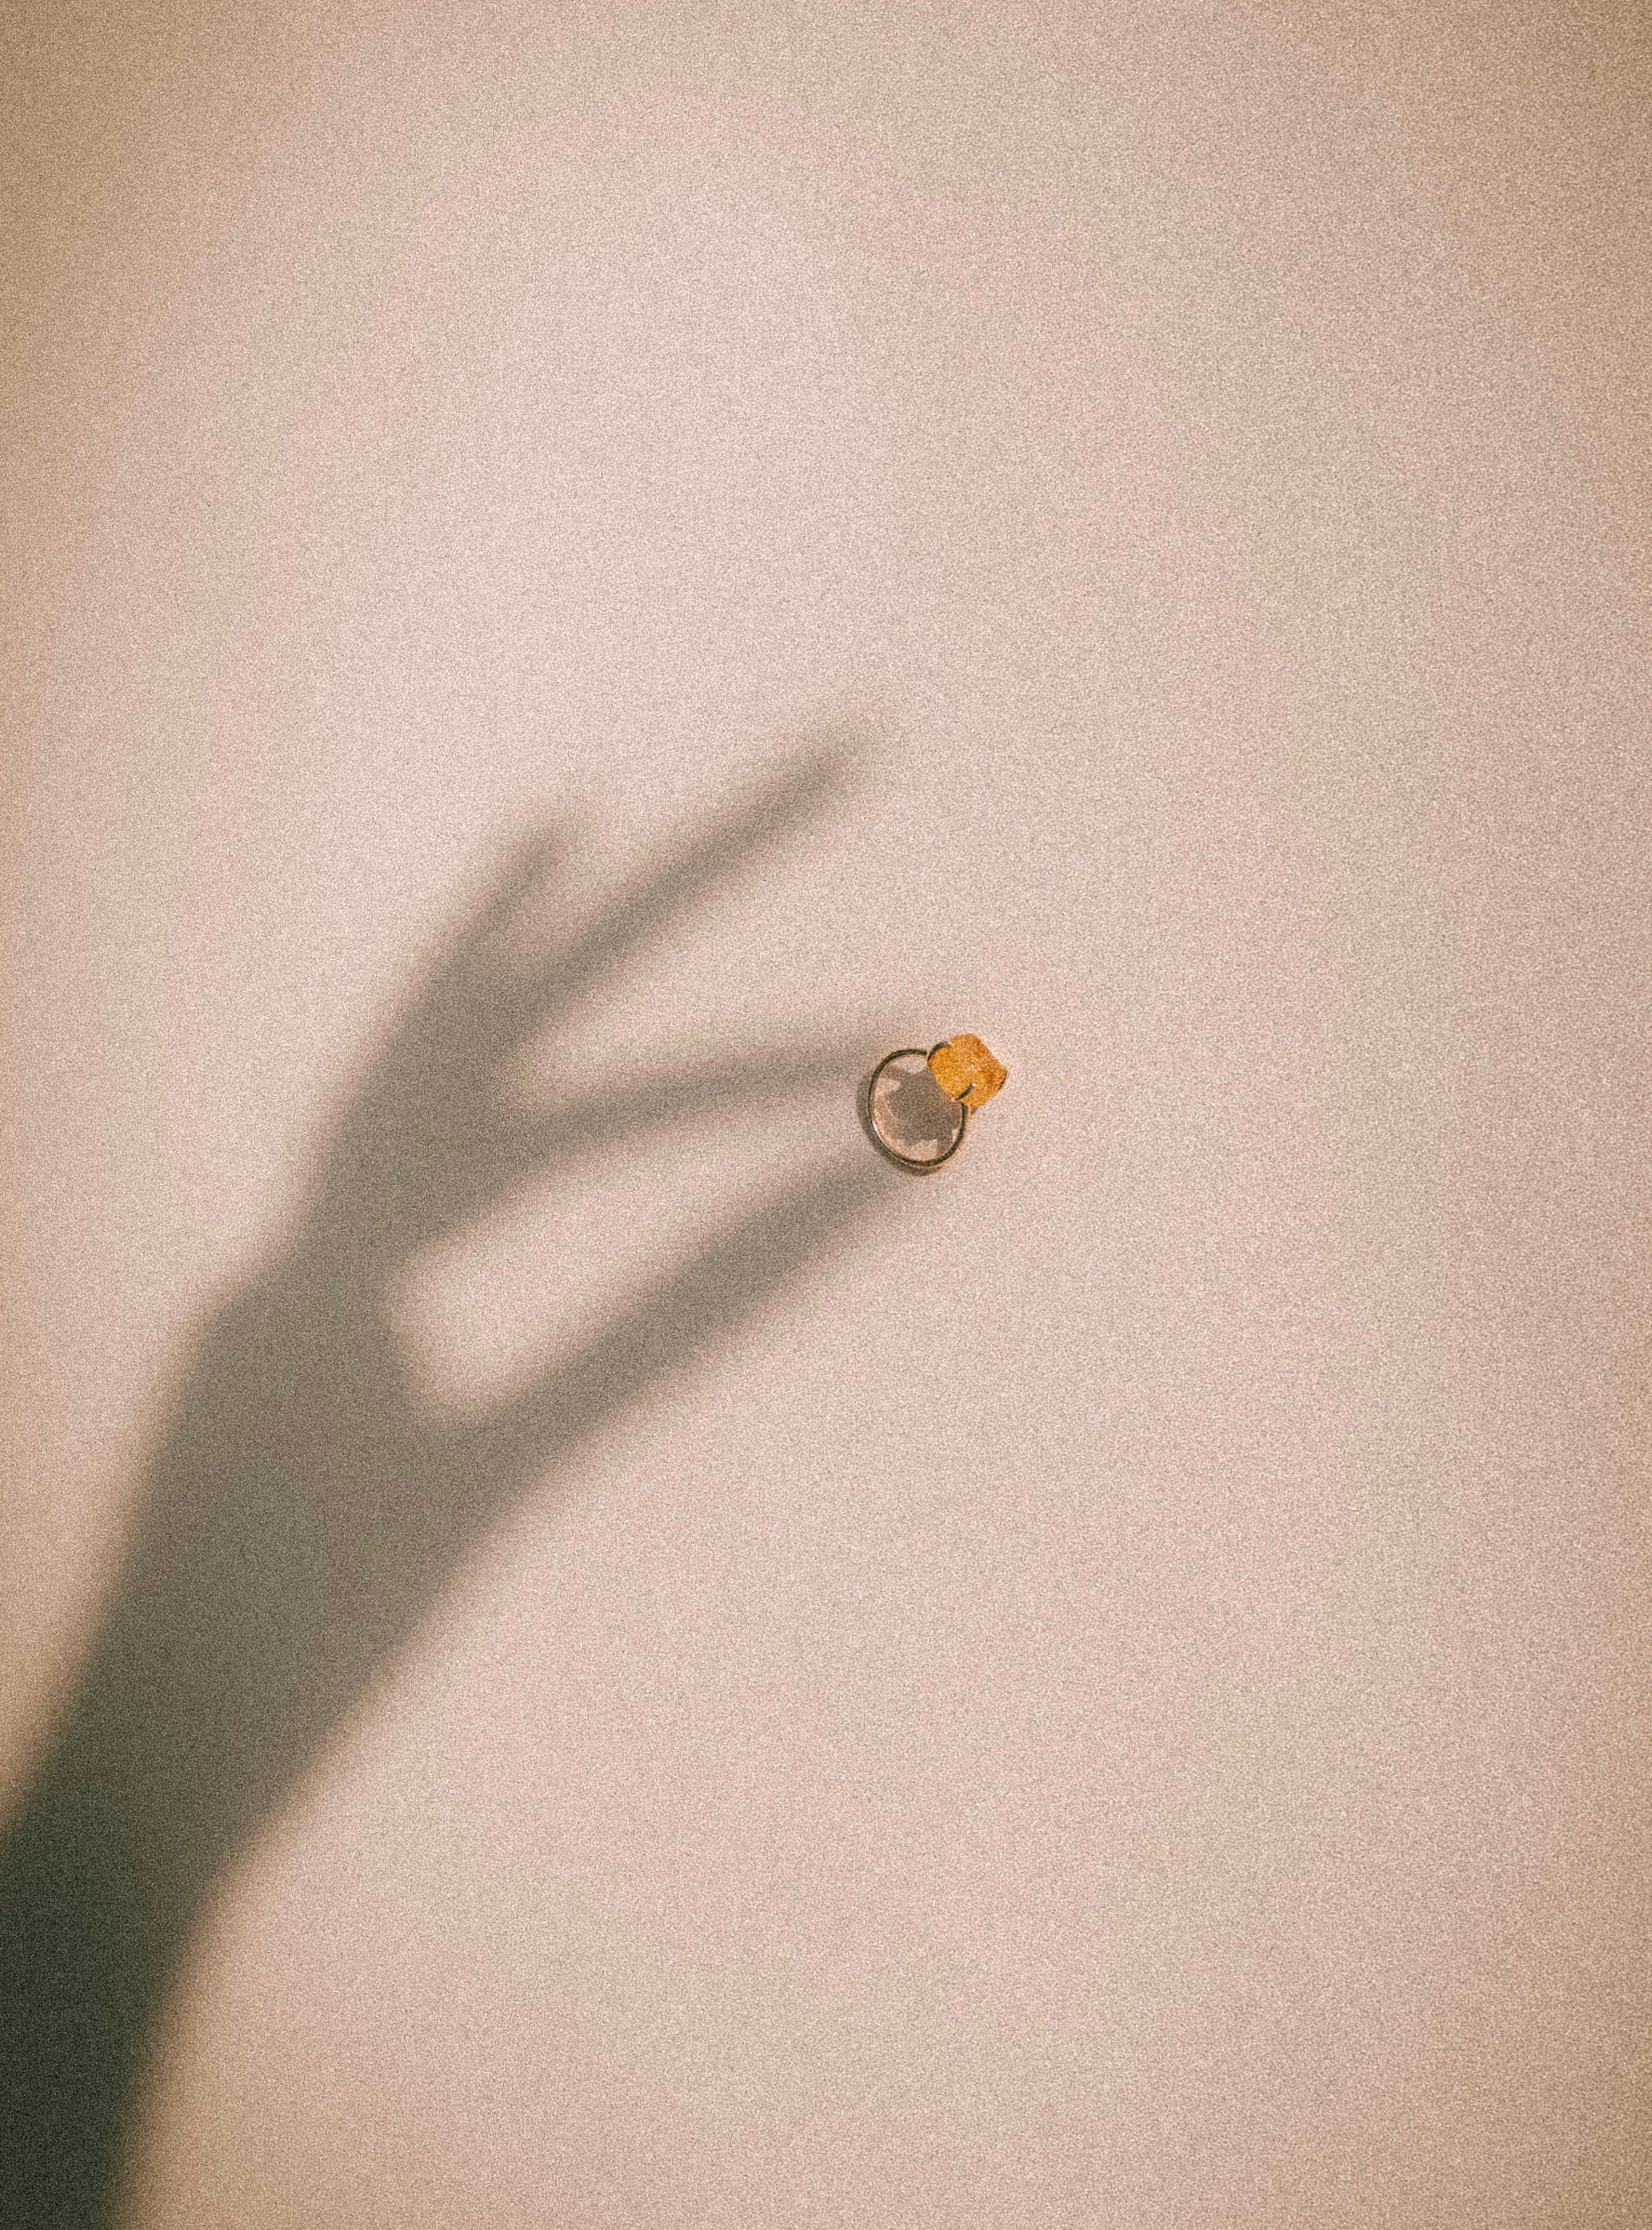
[{"x": 961, "y": 1075}]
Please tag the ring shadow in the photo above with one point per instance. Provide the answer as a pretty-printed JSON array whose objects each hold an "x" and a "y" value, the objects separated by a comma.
[
  {"x": 914, "y": 1103},
  {"x": 302, "y": 1511}
]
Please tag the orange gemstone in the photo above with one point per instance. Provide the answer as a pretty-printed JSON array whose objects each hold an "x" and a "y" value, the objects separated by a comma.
[{"x": 964, "y": 1070}]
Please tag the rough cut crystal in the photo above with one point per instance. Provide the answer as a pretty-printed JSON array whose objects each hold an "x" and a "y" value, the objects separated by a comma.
[{"x": 964, "y": 1070}]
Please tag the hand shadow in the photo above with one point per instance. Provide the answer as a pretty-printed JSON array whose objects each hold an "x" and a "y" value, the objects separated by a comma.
[{"x": 303, "y": 1511}]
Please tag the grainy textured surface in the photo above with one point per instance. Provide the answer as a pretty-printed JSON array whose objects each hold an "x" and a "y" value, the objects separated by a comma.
[{"x": 1123, "y": 1695}]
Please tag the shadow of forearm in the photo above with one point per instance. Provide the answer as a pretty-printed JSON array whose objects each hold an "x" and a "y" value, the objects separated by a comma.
[{"x": 299, "y": 1523}]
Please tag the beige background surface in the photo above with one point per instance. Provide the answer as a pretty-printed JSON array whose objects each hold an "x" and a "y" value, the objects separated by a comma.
[{"x": 1123, "y": 1697}]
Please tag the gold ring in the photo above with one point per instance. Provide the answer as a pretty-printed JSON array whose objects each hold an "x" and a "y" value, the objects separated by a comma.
[{"x": 910, "y": 1110}]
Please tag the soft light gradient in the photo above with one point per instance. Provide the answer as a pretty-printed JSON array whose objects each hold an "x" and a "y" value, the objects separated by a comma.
[{"x": 1124, "y": 1697}]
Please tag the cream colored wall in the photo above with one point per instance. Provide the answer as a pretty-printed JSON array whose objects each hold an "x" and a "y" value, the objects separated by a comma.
[{"x": 1122, "y": 1697}]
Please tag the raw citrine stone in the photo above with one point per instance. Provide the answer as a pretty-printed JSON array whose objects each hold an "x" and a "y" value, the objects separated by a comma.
[{"x": 964, "y": 1070}]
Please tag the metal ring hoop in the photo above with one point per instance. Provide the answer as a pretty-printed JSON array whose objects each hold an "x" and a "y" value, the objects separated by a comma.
[{"x": 906, "y": 1161}]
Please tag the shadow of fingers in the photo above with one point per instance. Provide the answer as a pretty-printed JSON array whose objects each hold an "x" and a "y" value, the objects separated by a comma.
[
  {"x": 589, "y": 1122},
  {"x": 726, "y": 1282}
]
